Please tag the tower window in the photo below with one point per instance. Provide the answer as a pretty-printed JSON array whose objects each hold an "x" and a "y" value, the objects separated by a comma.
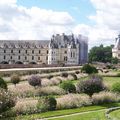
[
  {"x": 4, "y": 57},
  {"x": 39, "y": 51},
  {"x": 26, "y": 51},
  {"x": 65, "y": 52},
  {"x": 32, "y": 57},
  {"x": 19, "y": 51},
  {"x": 11, "y": 51},
  {"x": 32, "y": 51},
  {"x": 47, "y": 51},
  {"x": 4, "y": 51},
  {"x": 71, "y": 54},
  {"x": 25, "y": 58},
  {"x": 18, "y": 57},
  {"x": 38, "y": 58}
]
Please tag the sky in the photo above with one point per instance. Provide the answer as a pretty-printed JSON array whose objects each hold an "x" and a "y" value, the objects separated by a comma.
[{"x": 99, "y": 20}]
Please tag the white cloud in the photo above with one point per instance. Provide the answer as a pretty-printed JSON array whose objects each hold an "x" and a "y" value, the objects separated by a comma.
[
  {"x": 107, "y": 23},
  {"x": 7, "y": 2},
  {"x": 18, "y": 22}
]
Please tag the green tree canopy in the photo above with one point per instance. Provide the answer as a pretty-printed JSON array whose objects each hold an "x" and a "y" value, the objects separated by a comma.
[{"x": 100, "y": 54}]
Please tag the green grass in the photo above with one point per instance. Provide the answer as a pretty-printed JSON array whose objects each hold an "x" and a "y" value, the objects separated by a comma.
[
  {"x": 87, "y": 116},
  {"x": 66, "y": 112},
  {"x": 115, "y": 114},
  {"x": 109, "y": 81}
]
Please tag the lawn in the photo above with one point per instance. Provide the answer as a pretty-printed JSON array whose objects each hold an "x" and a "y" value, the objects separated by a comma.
[
  {"x": 72, "y": 111},
  {"x": 115, "y": 114},
  {"x": 87, "y": 116},
  {"x": 109, "y": 81}
]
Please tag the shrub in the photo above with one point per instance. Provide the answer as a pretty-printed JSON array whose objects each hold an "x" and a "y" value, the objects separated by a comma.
[
  {"x": 7, "y": 100},
  {"x": 73, "y": 101},
  {"x": 104, "y": 97},
  {"x": 34, "y": 80},
  {"x": 15, "y": 79},
  {"x": 52, "y": 103},
  {"x": 64, "y": 74},
  {"x": 3, "y": 84},
  {"x": 26, "y": 106},
  {"x": 93, "y": 85},
  {"x": 50, "y": 76},
  {"x": 77, "y": 72},
  {"x": 68, "y": 86},
  {"x": 74, "y": 76},
  {"x": 54, "y": 90},
  {"x": 89, "y": 69},
  {"x": 116, "y": 87},
  {"x": 118, "y": 75},
  {"x": 46, "y": 104}
]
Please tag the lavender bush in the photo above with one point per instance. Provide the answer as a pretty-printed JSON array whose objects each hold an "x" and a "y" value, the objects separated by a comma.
[
  {"x": 34, "y": 80},
  {"x": 93, "y": 85}
]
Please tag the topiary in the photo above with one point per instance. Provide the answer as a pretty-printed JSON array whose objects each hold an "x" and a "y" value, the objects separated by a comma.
[
  {"x": 34, "y": 80},
  {"x": 68, "y": 86},
  {"x": 89, "y": 69},
  {"x": 91, "y": 86},
  {"x": 47, "y": 103},
  {"x": 50, "y": 76},
  {"x": 77, "y": 72},
  {"x": 3, "y": 84},
  {"x": 15, "y": 79},
  {"x": 64, "y": 74},
  {"x": 74, "y": 76},
  {"x": 116, "y": 87}
]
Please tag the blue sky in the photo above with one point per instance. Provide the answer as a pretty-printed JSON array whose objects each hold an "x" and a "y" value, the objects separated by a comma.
[
  {"x": 78, "y": 9},
  {"x": 39, "y": 19}
]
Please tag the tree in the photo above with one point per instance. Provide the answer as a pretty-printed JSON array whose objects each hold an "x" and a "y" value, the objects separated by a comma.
[
  {"x": 3, "y": 84},
  {"x": 68, "y": 86},
  {"x": 34, "y": 80},
  {"x": 100, "y": 54},
  {"x": 114, "y": 60},
  {"x": 89, "y": 69},
  {"x": 92, "y": 85},
  {"x": 15, "y": 79}
]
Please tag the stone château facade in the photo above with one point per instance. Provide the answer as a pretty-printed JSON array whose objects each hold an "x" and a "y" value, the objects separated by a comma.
[
  {"x": 116, "y": 48},
  {"x": 66, "y": 49}
]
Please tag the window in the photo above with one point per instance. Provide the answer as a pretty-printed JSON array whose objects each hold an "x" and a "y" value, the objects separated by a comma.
[
  {"x": 39, "y": 51},
  {"x": 32, "y": 57},
  {"x": 71, "y": 54},
  {"x": 65, "y": 52},
  {"x": 18, "y": 57},
  {"x": 11, "y": 57},
  {"x": 19, "y": 51},
  {"x": 26, "y": 51},
  {"x": 38, "y": 58},
  {"x": 65, "y": 58},
  {"x": 32, "y": 51},
  {"x": 4, "y": 51},
  {"x": 46, "y": 57},
  {"x": 47, "y": 51},
  {"x": 11, "y": 51},
  {"x": 25, "y": 58},
  {"x": 4, "y": 57}
]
